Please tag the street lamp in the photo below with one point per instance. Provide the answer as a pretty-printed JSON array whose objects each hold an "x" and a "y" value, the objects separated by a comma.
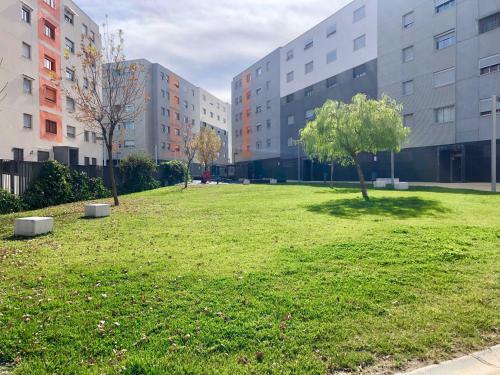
[{"x": 494, "y": 146}]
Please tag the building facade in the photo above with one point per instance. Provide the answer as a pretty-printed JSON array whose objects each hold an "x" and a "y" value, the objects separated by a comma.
[
  {"x": 440, "y": 58},
  {"x": 40, "y": 40},
  {"x": 171, "y": 103}
]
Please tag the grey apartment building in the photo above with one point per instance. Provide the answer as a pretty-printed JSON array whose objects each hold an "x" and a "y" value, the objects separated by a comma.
[
  {"x": 441, "y": 59},
  {"x": 171, "y": 103}
]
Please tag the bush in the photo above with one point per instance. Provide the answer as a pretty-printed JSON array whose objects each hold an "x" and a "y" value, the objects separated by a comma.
[
  {"x": 52, "y": 187},
  {"x": 9, "y": 202},
  {"x": 172, "y": 172},
  {"x": 138, "y": 173},
  {"x": 57, "y": 184}
]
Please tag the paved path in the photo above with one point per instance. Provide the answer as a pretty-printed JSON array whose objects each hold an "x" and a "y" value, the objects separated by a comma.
[
  {"x": 480, "y": 186},
  {"x": 486, "y": 362}
]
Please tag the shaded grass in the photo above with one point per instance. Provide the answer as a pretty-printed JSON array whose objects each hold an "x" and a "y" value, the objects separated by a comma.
[{"x": 201, "y": 281}]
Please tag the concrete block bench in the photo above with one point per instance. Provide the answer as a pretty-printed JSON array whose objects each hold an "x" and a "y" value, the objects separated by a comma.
[
  {"x": 246, "y": 182},
  {"x": 388, "y": 180},
  {"x": 273, "y": 181},
  {"x": 379, "y": 184},
  {"x": 33, "y": 226},
  {"x": 97, "y": 210},
  {"x": 402, "y": 186}
]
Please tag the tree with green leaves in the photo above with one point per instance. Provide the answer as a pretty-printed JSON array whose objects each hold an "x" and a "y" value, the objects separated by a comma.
[
  {"x": 208, "y": 147},
  {"x": 342, "y": 131}
]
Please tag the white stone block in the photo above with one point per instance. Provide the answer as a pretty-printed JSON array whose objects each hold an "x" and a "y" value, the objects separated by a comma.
[
  {"x": 402, "y": 186},
  {"x": 379, "y": 184},
  {"x": 33, "y": 226},
  {"x": 388, "y": 180},
  {"x": 246, "y": 182},
  {"x": 273, "y": 181},
  {"x": 97, "y": 210}
]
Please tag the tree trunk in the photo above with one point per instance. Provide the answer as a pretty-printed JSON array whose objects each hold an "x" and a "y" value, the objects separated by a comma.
[
  {"x": 331, "y": 173},
  {"x": 186, "y": 174},
  {"x": 361, "y": 177},
  {"x": 112, "y": 175}
]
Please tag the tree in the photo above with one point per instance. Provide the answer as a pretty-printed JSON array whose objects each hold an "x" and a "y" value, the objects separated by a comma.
[
  {"x": 109, "y": 92},
  {"x": 189, "y": 148},
  {"x": 208, "y": 146},
  {"x": 343, "y": 131},
  {"x": 3, "y": 88}
]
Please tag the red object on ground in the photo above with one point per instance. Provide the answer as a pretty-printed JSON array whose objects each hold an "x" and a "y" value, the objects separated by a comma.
[{"x": 206, "y": 177}]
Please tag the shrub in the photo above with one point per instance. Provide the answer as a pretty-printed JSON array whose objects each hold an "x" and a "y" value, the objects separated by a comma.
[
  {"x": 9, "y": 202},
  {"x": 52, "y": 187},
  {"x": 172, "y": 172},
  {"x": 138, "y": 173},
  {"x": 57, "y": 184}
]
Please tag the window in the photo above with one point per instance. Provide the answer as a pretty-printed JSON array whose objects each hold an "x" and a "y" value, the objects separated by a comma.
[
  {"x": 408, "y": 87},
  {"x": 85, "y": 83},
  {"x": 258, "y": 109},
  {"x": 268, "y": 66},
  {"x": 185, "y": 103},
  {"x": 268, "y": 124},
  {"x": 408, "y": 20},
  {"x": 18, "y": 154},
  {"x": 26, "y": 14},
  {"x": 490, "y": 69},
  {"x": 69, "y": 17},
  {"x": 444, "y": 114},
  {"x": 442, "y": 5},
  {"x": 291, "y": 120},
  {"x": 177, "y": 132},
  {"x": 50, "y": 3},
  {"x": 94, "y": 161},
  {"x": 27, "y": 121},
  {"x": 268, "y": 85},
  {"x": 258, "y": 91},
  {"x": 70, "y": 104},
  {"x": 268, "y": 142},
  {"x": 85, "y": 30},
  {"x": 129, "y": 144},
  {"x": 26, "y": 51},
  {"x": 129, "y": 108},
  {"x": 249, "y": 77},
  {"x": 359, "y": 71},
  {"x": 408, "y": 120},
  {"x": 289, "y": 98},
  {"x": 489, "y": 23},
  {"x": 444, "y": 77},
  {"x": 309, "y": 67},
  {"x": 359, "y": 14},
  {"x": 92, "y": 36},
  {"x": 259, "y": 127},
  {"x": 258, "y": 72},
  {"x": 445, "y": 40},
  {"x": 49, "y": 30},
  {"x": 308, "y": 44},
  {"x": 70, "y": 74},
  {"x": 331, "y": 30},
  {"x": 70, "y": 131},
  {"x": 485, "y": 106},
  {"x": 258, "y": 145},
  {"x": 51, "y": 127},
  {"x": 309, "y": 115},
  {"x": 309, "y": 91},
  {"x": 27, "y": 85},
  {"x": 268, "y": 104},
  {"x": 289, "y": 76},
  {"x": 86, "y": 136},
  {"x": 331, "y": 56},
  {"x": 49, "y": 63},
  {"x": 291, "y": 142},
  {"x": 332, "y": 81},
  {"x": 204, "y": 111},
  {"x": 408, "y": 54},
  {"x": 50, "y": 94},
  {"x": 359, "y": 42},
  {"x": 70, "y": 45}
]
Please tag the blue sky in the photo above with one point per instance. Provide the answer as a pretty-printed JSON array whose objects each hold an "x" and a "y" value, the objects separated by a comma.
[{"x": 208, "y": 42}]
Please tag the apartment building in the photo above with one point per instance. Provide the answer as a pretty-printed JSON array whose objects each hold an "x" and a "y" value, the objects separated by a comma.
[
  {"x": 170, "y": 103},
  {"x": 40, "y": 40},
  {"x": 440, "y": 58}
]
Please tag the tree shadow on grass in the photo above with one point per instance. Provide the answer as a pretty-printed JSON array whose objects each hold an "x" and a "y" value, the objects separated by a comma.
[{"x": 399, "y": 207}]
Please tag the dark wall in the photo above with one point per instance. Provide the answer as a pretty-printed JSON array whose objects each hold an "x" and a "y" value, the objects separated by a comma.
[{"x": 345, "y": 88}]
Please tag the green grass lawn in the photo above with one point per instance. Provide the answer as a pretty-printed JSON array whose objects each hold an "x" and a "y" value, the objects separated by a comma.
[{"x": 235, "y": 279}]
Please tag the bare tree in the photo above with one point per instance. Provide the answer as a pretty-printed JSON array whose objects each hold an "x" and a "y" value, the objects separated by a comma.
[
  {"x": 209, "y": 145},
  {"x": 189, "y": 148},
  {"x": 109, "y": 92},
  {"x": 3, "y": 88}
]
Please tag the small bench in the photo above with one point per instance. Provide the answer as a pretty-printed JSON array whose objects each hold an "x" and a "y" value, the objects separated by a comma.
[
  {"x": 33, "y": 226},
  {"x": 97, "y": 210},
  {"x": 246, "y": 182},
  {"x": 402, "y": 186},
  {"x": 379, "y": 184},
  {"x": 273, "y": 181}
]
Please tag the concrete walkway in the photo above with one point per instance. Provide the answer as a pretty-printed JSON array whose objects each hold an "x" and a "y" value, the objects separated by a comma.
[
  {"x": 479, "y": 186},
  {"x": 486, "y": 362}
]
